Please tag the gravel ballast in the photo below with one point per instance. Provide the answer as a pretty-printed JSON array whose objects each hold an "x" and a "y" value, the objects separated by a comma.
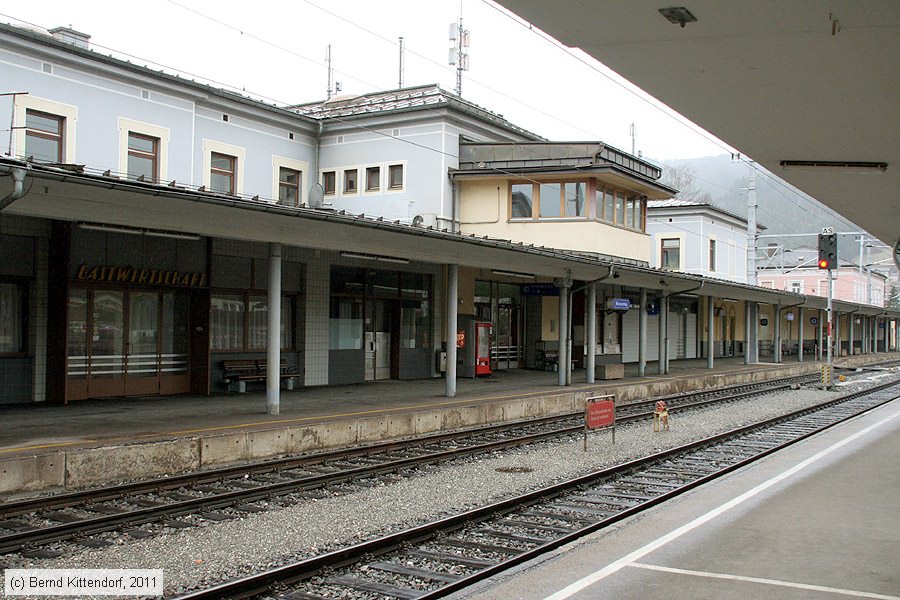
[{"x": 222, "y": 550}]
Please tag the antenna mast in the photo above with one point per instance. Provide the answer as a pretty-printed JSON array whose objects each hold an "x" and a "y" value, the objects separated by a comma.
[
  {"x": 330, "y": 91},
  {"x": 400, "y": 83},
  {"x": 459, "y": 51}
]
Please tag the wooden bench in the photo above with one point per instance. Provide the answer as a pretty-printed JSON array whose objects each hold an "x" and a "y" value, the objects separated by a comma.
[{"x": 240, "y": 371}]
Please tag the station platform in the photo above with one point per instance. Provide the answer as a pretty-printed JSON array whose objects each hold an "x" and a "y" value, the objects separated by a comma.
[
  {"x": 95, "y": 442},
  {"x": 815, "y": 520}
]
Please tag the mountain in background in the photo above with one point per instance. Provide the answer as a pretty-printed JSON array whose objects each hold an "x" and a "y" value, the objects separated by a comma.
[{"x": 782, "y": 208}]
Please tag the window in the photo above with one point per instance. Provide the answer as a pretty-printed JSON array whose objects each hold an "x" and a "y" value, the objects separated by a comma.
[
  {"x": 553, "y": 200},
  {"x": 143, "y": 156},
  {"x": 797, "y": 287},
  {"x": 373, "y": 179},
  {"x": 522, "y": 201},
  {"x": 549, "y": 200},
  {"x": 351, "y": 181},
  {"x": 44, "y": 136},
  {"x": 12, "y": 318},
  {"x": 620, "y": 208},
  {"x": 395, "y": 177},
  {"x": 239, "y": 322},
  {"x": 712, "y": 256},
  {"x": 222, "y": 173},
  {"x": 629, "y": 212},
  {"x": 329, "y": 181},
  {"x": 290, "y": 182},
  {"x": 608, "y": 206},
  {"x": 671, "y": 254},
  {"x": 574, "y": 199}
]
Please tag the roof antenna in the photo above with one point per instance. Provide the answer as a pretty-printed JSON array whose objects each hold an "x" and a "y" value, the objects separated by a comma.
[
  {"x": 459, "y": 51},
  {"x": 400, "y": 83},
  {"x": 333, "y": 86}
]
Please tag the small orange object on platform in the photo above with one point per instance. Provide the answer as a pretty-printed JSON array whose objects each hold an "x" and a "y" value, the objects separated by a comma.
[{"x": 661, "y": 413}]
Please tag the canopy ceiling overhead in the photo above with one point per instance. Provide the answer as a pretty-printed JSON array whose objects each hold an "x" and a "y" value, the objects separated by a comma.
[{"x": 813, "y": 82}]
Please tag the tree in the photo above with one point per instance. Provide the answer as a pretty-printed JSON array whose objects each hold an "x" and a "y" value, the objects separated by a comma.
[{"x": 684, "y": 179}]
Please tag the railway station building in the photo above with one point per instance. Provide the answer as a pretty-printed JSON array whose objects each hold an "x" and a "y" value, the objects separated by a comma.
[{"x": 157, "y": 232}]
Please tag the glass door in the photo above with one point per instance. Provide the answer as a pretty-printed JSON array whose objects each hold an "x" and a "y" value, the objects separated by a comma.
[
  {"x": 106, "y": 348},
  {"x": 174, "y": 376},
  {"x": 127, "y": 343},
  {"x": 142, "y": 373}
]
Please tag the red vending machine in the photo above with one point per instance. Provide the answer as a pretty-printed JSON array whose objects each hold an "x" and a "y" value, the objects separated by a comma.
[{"x": 482, "y": 349}]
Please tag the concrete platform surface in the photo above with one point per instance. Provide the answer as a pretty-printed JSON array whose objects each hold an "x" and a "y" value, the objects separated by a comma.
[
  {"x": 46, "y": 447},
  {"x": 817, "y": 520}
]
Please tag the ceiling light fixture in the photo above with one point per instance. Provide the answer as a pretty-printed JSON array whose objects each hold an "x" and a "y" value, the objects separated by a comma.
[
  {"x": 847, "y": 166},
  {"x": 513, "y": 274},
  {"x": 376, "y": 257},
  {"x": 678, "y": 15},
  {"x": 137, "y": 231}
]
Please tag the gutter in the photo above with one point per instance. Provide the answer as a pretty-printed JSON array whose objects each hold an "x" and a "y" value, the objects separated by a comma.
[{"x": 18, "y": 176}]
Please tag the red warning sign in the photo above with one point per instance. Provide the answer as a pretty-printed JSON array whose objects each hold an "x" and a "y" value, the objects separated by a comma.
[{"x": 600, "y": 413}]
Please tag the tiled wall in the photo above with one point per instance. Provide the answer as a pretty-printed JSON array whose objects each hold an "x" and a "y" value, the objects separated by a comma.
[
  {"x": 23, "y": 379},
  {"x": 318, "y": 291}
]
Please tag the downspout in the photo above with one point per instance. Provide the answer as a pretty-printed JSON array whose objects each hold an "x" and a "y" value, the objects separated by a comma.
[
  {"x": 315, "y": 167},
  {"x": 18, "y": 175}
]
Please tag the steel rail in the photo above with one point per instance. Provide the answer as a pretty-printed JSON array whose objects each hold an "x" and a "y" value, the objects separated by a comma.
[
  {"x": 30, "y": 538},
  {"x": 306, "y": 568}
]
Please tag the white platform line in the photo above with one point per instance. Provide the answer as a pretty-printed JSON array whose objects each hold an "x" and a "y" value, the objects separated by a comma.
[
  {"x": 778, "y": 582},
  {"x": 638, "y": 554}
]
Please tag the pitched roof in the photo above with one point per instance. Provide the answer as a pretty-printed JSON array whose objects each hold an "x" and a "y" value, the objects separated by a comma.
[
  {"x": 689, "y": 204},
  {"x": 403, "y": 100}
]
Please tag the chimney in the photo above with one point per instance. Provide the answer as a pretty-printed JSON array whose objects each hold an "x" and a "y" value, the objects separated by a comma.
[{"x": 70, "y": 36}]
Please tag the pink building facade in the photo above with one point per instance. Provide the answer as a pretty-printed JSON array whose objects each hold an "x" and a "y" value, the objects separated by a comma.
[{"x": 849, "y": 284}]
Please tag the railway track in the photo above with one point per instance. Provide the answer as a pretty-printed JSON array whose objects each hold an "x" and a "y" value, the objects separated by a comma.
[
  {"x": 444, "y": 556},
  {"x": 29, "y": 526}
]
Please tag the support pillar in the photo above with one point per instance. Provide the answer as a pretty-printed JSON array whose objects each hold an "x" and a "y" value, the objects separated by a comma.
[
  {"x": 776, "y": 353},
  {"x": 663, "y": 327},
  {"x": 747, "y": 321},
  {"x": 819, "y": 339},
  {"x": 837, "y": 335},
  {"x": 800, "y": 322},
  {"x": 851, "y": 335},
  {"x": 452, "y": 325},
  {"x": 754, "y": 356},
  {"x": 273, "y": 334},
  {"x": 591, "y": 331},
  {"x": 642, "y": 335},
  {"x": 564, "y": 361},
  {"x": 710, "y": 332}
]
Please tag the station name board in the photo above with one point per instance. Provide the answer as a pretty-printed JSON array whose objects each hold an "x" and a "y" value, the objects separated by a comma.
[{"x": 140, "y": 276}]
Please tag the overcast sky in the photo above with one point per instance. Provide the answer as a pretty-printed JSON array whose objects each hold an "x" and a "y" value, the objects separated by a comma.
[{"x": 276, "y": 50}]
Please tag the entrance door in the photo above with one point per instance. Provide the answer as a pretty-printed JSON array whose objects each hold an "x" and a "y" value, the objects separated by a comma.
[
  {"x": 142, "y": 374},
  {"x": 506, "y": 337},
  {"x": 106, "y": 352},
  {"x": 380, "y": 356},
  {"x": 136, "y": 343}
]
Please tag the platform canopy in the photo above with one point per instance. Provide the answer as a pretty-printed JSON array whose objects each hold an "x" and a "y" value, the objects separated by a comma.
[
  {"x": 808, "y": 89},
  {"x": 71, "y": 193}
]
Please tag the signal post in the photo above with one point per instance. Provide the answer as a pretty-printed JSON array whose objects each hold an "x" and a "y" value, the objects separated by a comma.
[{"x": 828, "y": 260}]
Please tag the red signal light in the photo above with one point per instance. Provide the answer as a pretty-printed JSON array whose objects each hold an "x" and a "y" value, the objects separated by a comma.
[{"x": 823, "y": 264}]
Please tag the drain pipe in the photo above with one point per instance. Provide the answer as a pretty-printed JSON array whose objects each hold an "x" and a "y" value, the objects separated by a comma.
[
  {"x": 18, "y": 175},
  {"x": 314, "y": 176}
]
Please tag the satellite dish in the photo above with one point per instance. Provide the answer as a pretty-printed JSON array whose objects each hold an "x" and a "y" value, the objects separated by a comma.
[
  {"x": 418, "y": 220},
  {"x": 316, "y": 195}
]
